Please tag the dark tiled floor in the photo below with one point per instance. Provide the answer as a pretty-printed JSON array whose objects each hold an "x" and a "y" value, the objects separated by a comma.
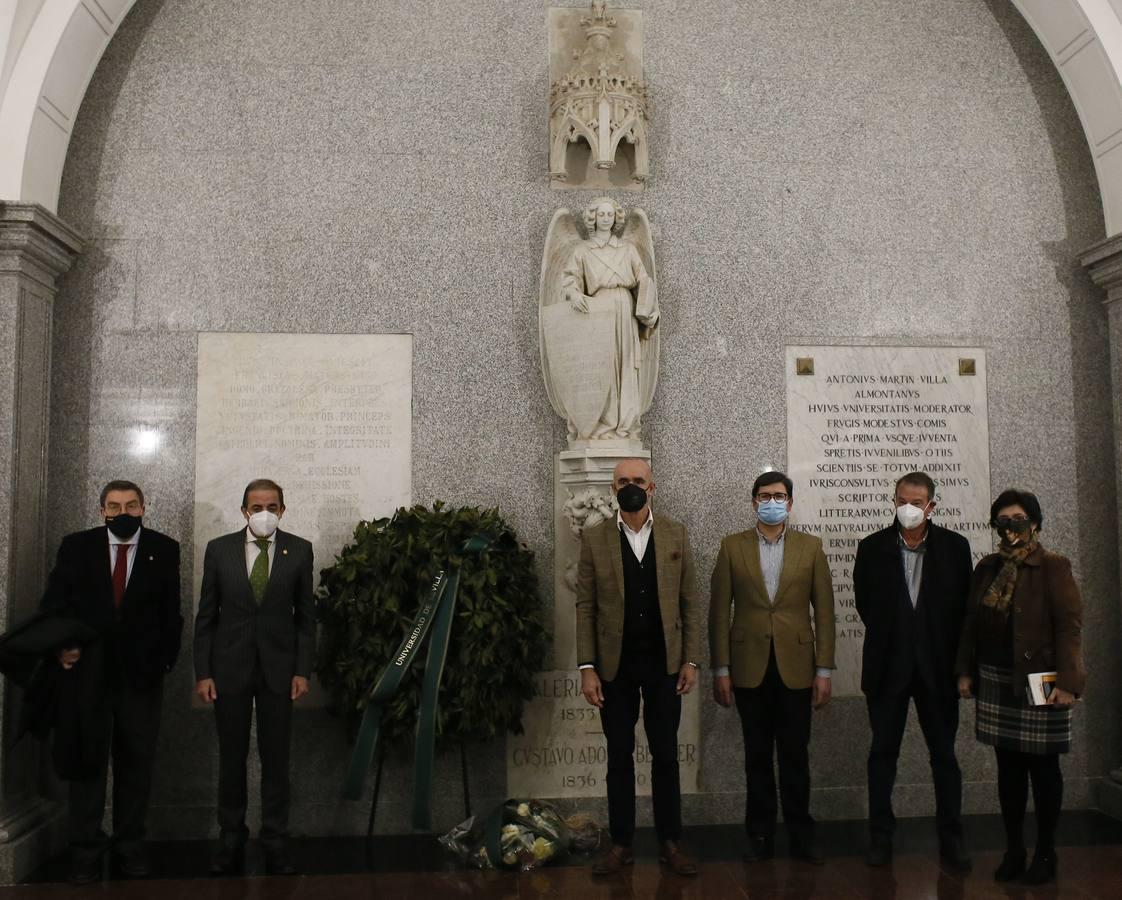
[{"x": 412, "y": 866}]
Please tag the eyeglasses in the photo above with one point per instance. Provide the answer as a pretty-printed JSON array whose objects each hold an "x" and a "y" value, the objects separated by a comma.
[
  {"x": 1006, "y": 521},
  {"x": 763, "y": 498}
]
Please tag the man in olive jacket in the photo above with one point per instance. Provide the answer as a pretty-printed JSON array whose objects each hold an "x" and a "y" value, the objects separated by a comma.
[
  {"x": 638, "y": 633},
  {"x": 765, "y": 585}
]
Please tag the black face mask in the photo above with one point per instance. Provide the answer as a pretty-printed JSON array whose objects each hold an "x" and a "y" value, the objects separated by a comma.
[
  {"x": 1007, "y": 528},
  {"x": 123, "y": 526},
  {"x": 631, "y": 498}
]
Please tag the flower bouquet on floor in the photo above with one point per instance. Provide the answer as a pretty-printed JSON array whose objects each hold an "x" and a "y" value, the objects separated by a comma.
[{"x": 520, "y": 834}]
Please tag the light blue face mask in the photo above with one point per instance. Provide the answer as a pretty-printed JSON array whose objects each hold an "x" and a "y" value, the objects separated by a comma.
[{"x": 772, "y": 512}]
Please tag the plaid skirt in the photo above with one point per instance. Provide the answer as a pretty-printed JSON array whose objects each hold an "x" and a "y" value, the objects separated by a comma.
[{"x": 1008, "y": 722}]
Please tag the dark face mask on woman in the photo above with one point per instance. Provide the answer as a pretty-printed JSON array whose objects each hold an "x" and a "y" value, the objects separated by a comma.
[{"x": 1013, "y": 531}]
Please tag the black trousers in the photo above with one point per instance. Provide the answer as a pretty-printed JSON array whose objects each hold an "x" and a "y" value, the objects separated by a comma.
[
  {"x": 775, "y": 717},
  {"x": 938, "y": 719},
  {"x": 233, "y": 713},
  {"x": 662, "y": 710},
  {"x": 130, "y": 731},
  {"x": 1014, "y": 769}
]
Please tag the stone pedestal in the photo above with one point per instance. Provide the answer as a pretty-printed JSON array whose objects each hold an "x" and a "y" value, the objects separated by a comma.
[{"x": 36, "y": 247}]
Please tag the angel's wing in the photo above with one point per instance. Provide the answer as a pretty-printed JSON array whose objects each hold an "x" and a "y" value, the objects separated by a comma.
[
  {"x": 638, "y": 232},
  {"x": 562, "y": 237}
]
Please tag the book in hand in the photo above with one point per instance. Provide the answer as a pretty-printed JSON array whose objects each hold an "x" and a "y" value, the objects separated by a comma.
[{"x": 1041, "y": 685}]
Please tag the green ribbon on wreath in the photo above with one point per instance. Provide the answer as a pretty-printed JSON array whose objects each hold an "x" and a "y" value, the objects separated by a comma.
[{"x": 435, "y": 614}]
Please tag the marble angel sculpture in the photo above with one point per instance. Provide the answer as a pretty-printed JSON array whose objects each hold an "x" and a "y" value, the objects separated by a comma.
[{"x": 598, "y": 320}]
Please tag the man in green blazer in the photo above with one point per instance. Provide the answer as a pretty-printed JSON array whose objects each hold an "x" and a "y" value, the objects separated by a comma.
[
  {"x": 638, "y": 635},
  {"x": 765, "y": 655}
]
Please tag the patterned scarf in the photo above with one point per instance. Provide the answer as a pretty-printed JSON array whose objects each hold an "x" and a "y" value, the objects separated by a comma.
[{"x": 999, "y": 594}]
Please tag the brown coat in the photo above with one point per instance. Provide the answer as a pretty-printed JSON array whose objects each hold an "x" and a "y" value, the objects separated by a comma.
[
  {"x": 743, "y": 623},
  {"x": 1047, "y": 621},
  {"x": 600, "y": 600}
]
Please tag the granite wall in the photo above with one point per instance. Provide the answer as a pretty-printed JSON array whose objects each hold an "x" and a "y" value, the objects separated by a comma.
[{"x": 869, "y": 171}]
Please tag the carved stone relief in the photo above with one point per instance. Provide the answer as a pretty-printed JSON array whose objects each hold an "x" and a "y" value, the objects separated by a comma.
[{"x": 598, "y": 107}]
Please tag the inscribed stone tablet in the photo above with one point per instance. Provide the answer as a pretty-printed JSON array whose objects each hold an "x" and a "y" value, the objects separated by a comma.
[
  {"x": 327, "y": 416},
  {"x": 576, "y": 345},
  {"x": 563, "y": 751},
  {"x": 860, "y": 417}
]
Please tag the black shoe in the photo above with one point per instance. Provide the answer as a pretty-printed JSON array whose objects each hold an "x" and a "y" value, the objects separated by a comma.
[
  {"x": 759, "y": 849},
  {"x": 134, "y": 863},
  {"x": 1012, "y": 866},
  {"x": 953, "y": 856},
  {"x": 85, "y": 869},
  {"x": 1042, "y": 870},
  {"x": 879, "y": 852},
  {"x": 807, "y": 850},
  {"x": 277, "y": 863},
  {"x": 229, "y": 860}
]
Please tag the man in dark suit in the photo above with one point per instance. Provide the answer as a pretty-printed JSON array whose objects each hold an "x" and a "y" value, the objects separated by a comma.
[
  {"x": 638, "y": 633},
  {"x": 123, "y": 581},
  {"x": 254, "y": 640},
  {"x": 911, "y": 582},
  {"x": 766, "y": 583}
]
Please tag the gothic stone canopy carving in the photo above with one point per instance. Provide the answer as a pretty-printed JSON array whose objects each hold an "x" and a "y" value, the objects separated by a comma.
[{"x": 598, "y": 108}]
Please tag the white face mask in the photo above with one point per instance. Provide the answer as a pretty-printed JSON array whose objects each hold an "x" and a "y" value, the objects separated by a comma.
[
  {"x": 263, "y": 523},
  {"x": 910, "y": 516}
]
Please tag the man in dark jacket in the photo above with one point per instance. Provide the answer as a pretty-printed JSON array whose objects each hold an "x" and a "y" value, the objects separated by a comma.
[
  {"x": 911, "y": 582},
  {"x": 122, "y": 581},
  {"x": 254, "y": 639}
]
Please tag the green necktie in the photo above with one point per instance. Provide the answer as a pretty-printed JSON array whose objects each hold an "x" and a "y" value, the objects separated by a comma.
[{"x": 259, "y": 574}]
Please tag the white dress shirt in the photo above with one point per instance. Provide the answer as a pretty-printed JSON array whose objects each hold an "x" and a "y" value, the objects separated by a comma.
[
  {"x": 637, "y": 539},
  {"x": 251, "y": 550},
  {"x": 131, "y": 543}
]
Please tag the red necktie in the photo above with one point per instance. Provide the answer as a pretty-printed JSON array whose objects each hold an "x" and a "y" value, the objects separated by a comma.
[{"x": 120, "y": 573}]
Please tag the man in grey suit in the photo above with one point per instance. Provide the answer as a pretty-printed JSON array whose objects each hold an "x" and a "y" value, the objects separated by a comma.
[{"x": 254, "y": 640}]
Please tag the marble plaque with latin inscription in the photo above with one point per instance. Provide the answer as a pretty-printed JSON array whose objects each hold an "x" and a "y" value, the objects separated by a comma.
[
  {"x": 563, "y": 751},
  {"x": 326, "y": 416},
  {"x": 858, "y": 418}
]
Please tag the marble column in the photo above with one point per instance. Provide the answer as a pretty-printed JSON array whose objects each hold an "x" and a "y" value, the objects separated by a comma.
[
  {"x": 1103, "y": 263},
  {"x": 36, "y": 248}
]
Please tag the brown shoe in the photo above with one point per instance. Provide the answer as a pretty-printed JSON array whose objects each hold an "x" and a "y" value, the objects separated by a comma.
[
  {"x": 614, "y": 860},
  {"x": 680, "y": 864}
]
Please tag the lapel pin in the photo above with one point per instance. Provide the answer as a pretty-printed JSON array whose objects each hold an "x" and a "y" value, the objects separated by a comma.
[{"x": 284, "y": 552}]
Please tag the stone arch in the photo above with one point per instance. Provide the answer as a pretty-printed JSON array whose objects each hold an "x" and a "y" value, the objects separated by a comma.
[
  {"x": 1084, "y": 40},
  {"x": 38, "y": 156},
  {"x": 54, "y": 46}
]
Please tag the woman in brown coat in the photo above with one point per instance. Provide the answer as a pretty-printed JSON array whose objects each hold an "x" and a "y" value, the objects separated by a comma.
[{"x": 1024, "y": 616}]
